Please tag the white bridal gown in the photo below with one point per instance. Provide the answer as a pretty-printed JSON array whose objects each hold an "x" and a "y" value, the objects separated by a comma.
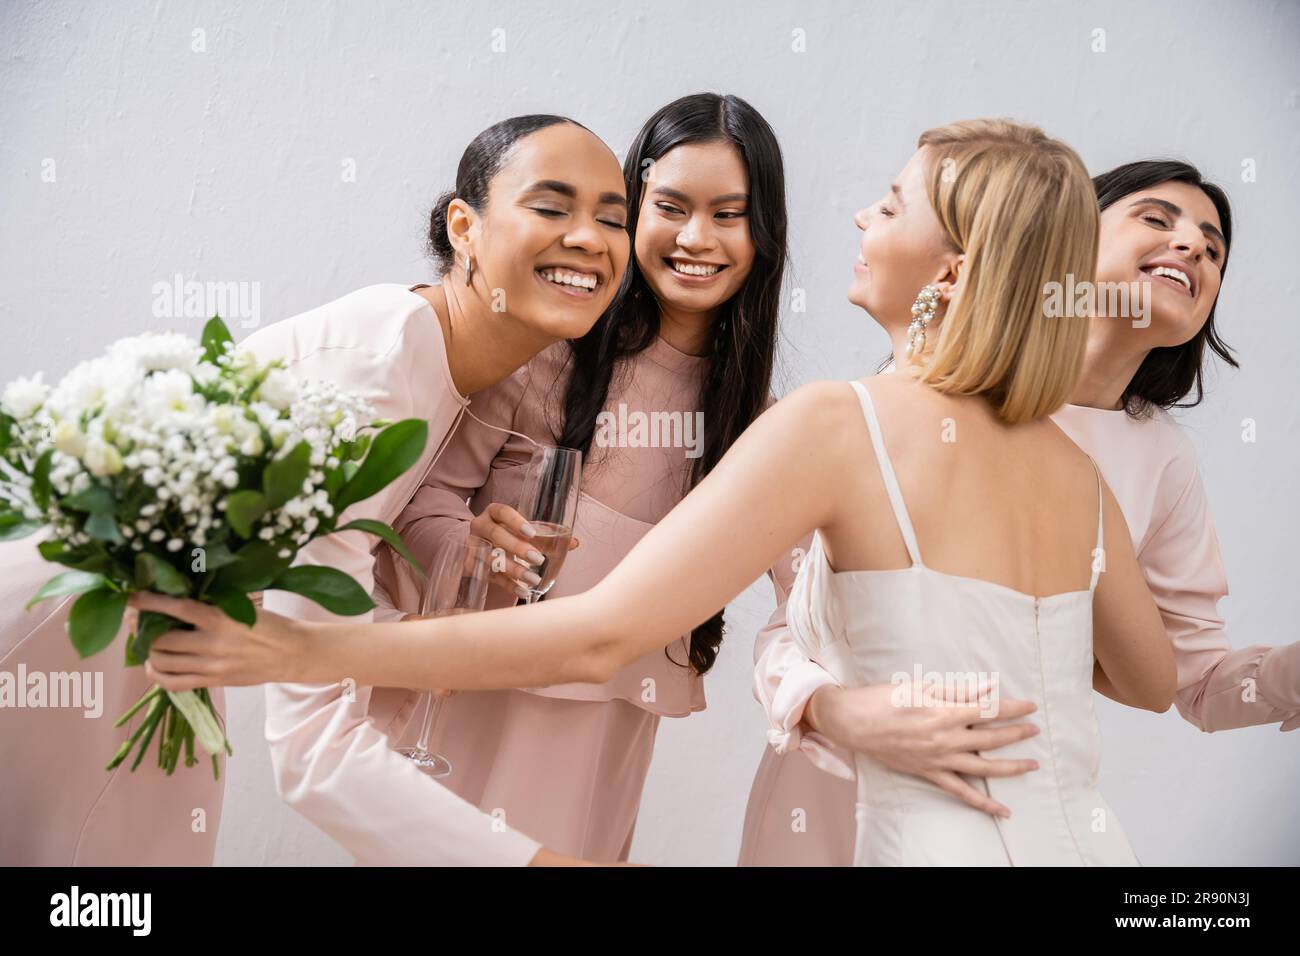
[{"x": 868, "y": 626}]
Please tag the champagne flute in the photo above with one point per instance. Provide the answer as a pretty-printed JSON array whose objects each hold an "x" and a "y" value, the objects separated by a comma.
[
  {"x": 549, "y": 502},
  {"x": 458, "y": 585}
]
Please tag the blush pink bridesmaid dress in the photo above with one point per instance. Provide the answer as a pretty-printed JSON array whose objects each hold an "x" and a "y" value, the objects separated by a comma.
[
  {"x": 565, "y": 764},
  {"x": 58, "y": 806}
]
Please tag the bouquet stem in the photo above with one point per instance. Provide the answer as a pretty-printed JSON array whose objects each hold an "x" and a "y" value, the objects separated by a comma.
[{"x": 184, "y": 716}]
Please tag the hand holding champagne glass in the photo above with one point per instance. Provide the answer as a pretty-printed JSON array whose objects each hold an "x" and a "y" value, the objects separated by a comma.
[
  {"x": 509, "y": 531},
  {"x": 549, "y": 502}
]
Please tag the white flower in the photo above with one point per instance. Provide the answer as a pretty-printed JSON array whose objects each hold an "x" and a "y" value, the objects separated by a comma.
[
  {"x": 224, "y": 418},
  {"x": 158, "y": 351},
  {"x": 69, "y": 439},
  {"x": 92, "y": 384},
  {"x": 164, "y": 396},
  {"x": 280, "y": 431},
  {"x": 279, "y": 389},
  {"x": 102, "y": 459},
  {"x": 205, "y": 374},
  {"x": 23, "y": 397}
]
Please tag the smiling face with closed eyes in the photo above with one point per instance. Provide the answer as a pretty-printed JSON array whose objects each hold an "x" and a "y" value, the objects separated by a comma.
[
  {"x": 1168, "y": 237},
  {"x": 552, "y": 241},
  {"x": 903, "y": 248}
]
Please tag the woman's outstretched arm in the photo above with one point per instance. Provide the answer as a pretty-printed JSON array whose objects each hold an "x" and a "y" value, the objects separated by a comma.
[{"x": 777, "y": 483}]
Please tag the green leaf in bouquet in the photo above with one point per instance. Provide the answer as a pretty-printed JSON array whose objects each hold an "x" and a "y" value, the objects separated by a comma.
[
  {"x": 283, "y": 477},
  {"x": 97, "y": 500},
  {"x": 243, "y": 508},
  {"x": 384, "y": 531},
  {"x": 395, "y": 449},
  {"x": 356, "y": 450},
  {"x": 103, "y": 528},
  {"x": 237, "y": 605},
  {"x": 256, "y": 565},
  {"x": 215, "y": 337},
  {"x": 69, "y": 582},
  {"x": 91, "y": 557},
  {"x": 41, "y": 479},
  {"x": 336, "y": 478},
  {"x": 94, "y": 620},
  {"x": 333, "y": 590},
  {"x": 153, "y": 573},
  {"x": 129, "y": 502},
  {"x": 14, "y": 526},
  {"x": 216, "y": 556}
]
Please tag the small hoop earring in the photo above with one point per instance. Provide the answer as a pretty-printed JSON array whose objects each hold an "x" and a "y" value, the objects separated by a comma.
[
  {"x": 469, "y": 268},
  {"x": 922, "y": 315}
]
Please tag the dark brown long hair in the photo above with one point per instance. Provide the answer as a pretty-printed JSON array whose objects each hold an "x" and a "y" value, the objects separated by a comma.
[
  {"x": 1168, "y": 375},
  {"x": 737, "y": 373}
]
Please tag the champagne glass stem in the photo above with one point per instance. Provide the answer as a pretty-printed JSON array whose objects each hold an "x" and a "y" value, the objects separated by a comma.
[{"x": 430, "y": 711}]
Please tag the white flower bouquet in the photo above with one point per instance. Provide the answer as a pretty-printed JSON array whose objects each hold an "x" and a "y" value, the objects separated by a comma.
[{"x": 189, "y": 469}]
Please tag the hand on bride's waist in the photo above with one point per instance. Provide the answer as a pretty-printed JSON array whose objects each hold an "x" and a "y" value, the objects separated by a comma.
[{"x": 940, "y": 737}]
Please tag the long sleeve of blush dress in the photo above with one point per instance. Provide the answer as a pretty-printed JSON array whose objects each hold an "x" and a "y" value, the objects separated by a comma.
[{"x": 1219, "y": 687}]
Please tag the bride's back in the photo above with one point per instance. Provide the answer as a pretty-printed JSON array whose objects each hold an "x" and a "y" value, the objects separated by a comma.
[{"x": 1015, "y": 505}]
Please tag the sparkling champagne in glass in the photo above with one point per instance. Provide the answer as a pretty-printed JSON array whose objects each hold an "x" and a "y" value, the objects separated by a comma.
[{"x": 549, "y": 502}]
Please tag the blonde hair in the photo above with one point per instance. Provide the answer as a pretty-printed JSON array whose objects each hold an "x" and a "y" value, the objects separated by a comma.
[{"x": 1021, "y": 207}]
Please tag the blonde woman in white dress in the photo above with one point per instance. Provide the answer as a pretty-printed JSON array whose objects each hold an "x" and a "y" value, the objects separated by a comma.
[{"x": 958, "y": 530}]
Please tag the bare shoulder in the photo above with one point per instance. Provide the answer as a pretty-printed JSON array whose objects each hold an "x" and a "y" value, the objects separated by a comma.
[
  {"x": 1061, "y": 446},
  {"x": 824, "y": 407},
  {"x": 818, "y": 424}
]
